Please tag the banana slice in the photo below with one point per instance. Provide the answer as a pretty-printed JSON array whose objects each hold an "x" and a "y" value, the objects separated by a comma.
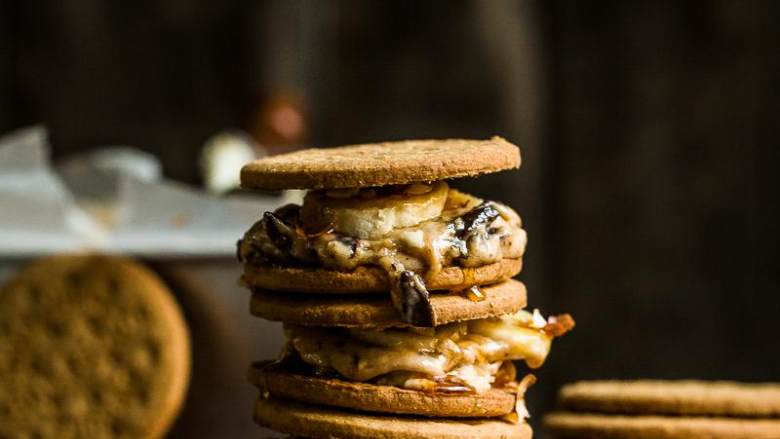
[{"x": 369, "y": 214}]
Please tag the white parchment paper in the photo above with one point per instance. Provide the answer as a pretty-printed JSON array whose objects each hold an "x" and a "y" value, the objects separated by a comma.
[{"x": 87, "y": 205}]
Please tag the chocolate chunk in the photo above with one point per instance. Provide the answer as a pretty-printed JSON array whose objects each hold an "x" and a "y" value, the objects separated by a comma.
[
  {"x": 289, "y": 213},
  {"x": 249, "y": 251},
  {"x": 281, "y": 234},
  {"x": 411, "y": 298},
  {"x": 477, "y": 218}
]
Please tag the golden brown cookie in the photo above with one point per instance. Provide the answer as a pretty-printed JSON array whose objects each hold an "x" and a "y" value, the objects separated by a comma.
[
  {"x": 90, "y": 346},
  {"x": 367, "y": 279},
  {"x": 282, "y": 382},
  {"x": 321, "y": 422},
  {"x": 379, "y": 164},
  {"x": 717, "y": 398},
  {"x": 372, "y": 311},
  {"x": 590, "y": 426}
]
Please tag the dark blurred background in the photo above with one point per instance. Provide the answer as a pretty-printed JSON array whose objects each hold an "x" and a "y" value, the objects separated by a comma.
[{"x": 648, "y": 130}]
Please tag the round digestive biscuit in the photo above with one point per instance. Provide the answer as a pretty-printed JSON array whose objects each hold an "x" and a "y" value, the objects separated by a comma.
[
  {"x": 90, "y": 346},
  {"x": 592, "y": 426},
  {"x": 361, "y": 311},
  {"x": 322, "y": 422},
  {"x": 380, "y": 164},
  {"x": 367, "y": 279},
  {"x": 715, "y": 398},
  {"x": 278, "y": 380}
]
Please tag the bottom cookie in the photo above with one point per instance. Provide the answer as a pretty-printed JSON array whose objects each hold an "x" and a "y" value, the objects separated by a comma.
[
  {"x": 571, "y": 425},
  {"x": 316, "y": 422}
]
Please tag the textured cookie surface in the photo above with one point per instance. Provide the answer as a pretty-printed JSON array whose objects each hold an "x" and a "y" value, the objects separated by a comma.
[
  {"x": 589, "y": 426},
  {"x": 279, "y": 381},
  {"x": 322, "y": 422},
  {"x": 674, "y": 397},
  {"x": 90, "y": 346},
  {"x": 379, "y": 164},
  {"x": 371, "y": 279},
  {"x": 366, "y": 311}
]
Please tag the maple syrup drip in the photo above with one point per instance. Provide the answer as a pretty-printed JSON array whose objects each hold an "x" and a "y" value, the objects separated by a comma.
[
  {"x": 468, "y": 276},
  {"x": 475, "y": 294}
]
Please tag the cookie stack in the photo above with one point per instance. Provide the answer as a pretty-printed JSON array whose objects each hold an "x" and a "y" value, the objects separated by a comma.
[
  {"x": 667, "y": 410},
  {"x": 395, "y": 290},
  {"x": 90, "y": 347}
]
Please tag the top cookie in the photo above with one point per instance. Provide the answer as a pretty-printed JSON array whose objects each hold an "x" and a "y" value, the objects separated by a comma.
[
  {"x": 380, "y": 164},
  {"x": 715, "y": 398}
]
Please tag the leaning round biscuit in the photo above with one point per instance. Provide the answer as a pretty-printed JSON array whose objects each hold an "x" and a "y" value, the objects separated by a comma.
[
  {"x": 715, "y": 398},
  {"x": 590, "y": 426},
  {"x": 371, "y": 279},
  {"x": 282, "y": 382},
  {"x": 362, "y": 311},
  {"x": 322, "y": 422},
  {"x": 380, "y": 164},
  {"x": 90, "y": 346}
]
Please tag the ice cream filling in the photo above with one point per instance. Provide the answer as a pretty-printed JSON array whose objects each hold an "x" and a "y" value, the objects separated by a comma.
[
  {"x": 466, "y": 232},
  {"x": 462, "y": 357}
]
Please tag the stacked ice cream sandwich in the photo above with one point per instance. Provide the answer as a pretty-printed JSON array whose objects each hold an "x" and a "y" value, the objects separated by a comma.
[{"x": 395, "y": 291}]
